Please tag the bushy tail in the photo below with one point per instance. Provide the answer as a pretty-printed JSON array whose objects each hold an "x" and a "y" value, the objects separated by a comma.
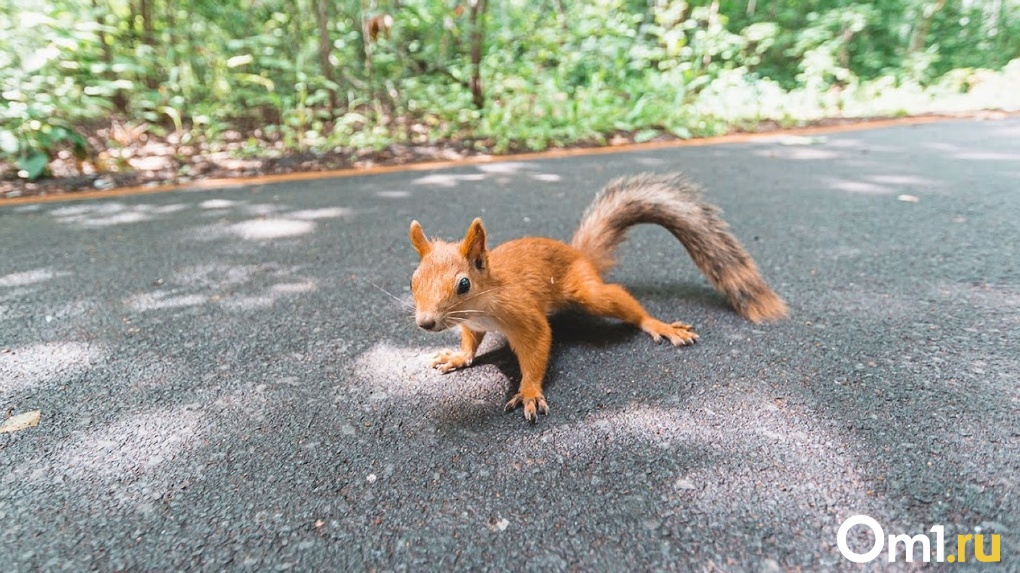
[{"x": 675, "y": 203}]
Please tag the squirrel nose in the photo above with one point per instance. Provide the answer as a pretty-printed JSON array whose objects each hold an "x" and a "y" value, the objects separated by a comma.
[{"x": 428, "y": 323}]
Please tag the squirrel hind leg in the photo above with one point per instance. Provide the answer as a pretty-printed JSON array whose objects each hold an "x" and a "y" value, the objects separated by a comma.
[{"x": 613, "y": 301}]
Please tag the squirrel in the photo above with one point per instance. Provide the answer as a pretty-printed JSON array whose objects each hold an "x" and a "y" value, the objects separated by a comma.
[{"x": 514, "y": 287}]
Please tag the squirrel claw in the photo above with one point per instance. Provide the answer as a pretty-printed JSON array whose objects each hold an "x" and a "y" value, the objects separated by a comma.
[
  {"x": 532, "y": 406},
  {"x": 683, "y": 335},
  {"x": 678, "y": 333},
  {"x": 449, "y": 360}
]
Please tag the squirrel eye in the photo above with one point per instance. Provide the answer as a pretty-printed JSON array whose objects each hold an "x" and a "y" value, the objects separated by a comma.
[{"x": 463, "y": 285}]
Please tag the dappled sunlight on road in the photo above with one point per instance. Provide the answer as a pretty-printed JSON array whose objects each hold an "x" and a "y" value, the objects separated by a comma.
[
  {"x": 869, "y": 176},
  {"x": 393, "y": 373},
  {"x": 900, "y": 179},
  {"x": 860, "y": 187},
  {"x": 214, "y": 275},
  {"x": 546, "y": 177},
  {"x": 31, "y": 277},
  {"x": 218, "y": 204},
  {"x": 294, "y": 288},
  {"x": 859, "y": 145},
  {"x": 28, "y": 366},
  {"x": 264, "y": 229},
  {"x": 233, "y": 287},
  {"x": 751, "y": 438},
  {"x": 162, "y": 300},
  {"x": 448, "y": 179},
  {"x": 270, "y": 222},
  {"x": 651, "y": 162},
  {"x": 799, "y": 153},
  {"x": 397, "y": 377},
  {"x": 712, "y": 447},
  {"x": 987, "y": 156},
  {"x": 501, "y": 172},
  {"x": 748, "y": 421},
  {"x": 966, "y": 153},
  {"x": 106, "y": 214},
  {"x": 324, "y": 213},
  {"x": 884, "y": 184},
  {"x": 506, "y": 167},
  {"x": 128, "y": 447},
  {"x": 130, "y": 457},
  {"x": 393, "y": 194},
  {"x": 282, "y": 226}
]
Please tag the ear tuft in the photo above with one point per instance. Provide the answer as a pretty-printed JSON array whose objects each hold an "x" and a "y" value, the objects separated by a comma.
[
  {"x": 473, "y": 246},
  {"x": 419, "y": 241}
]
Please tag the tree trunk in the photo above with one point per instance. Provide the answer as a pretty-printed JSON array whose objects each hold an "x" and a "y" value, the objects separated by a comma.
[
  {"x": 561, "y": 15},
  {"x": 919, "y": 37},
  {"x": 172, "y": 41},
  {"x": 366, "y": 40},
  {"x": 844, "y": 48},
  {"x": 477, "y": 45},
  {"x": 713, "y": 19},
  {"x": 120, "y": 101},
  {"x": 148, "y": 37},
  {"x": 325, "y": 47}
]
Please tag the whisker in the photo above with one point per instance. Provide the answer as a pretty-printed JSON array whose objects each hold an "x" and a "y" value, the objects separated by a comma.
[
  {"x": 464, "y": 315},
  {"x": 474, "y": 296},
  {"x": 402, "y": 302}
]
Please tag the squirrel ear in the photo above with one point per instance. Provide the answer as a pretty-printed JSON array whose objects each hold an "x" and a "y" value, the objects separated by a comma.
[
  {"x": 473, "y": 247},
  {"x": 419, "y": 241}
]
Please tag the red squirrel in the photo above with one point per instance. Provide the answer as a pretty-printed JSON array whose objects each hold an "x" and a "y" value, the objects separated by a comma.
[{"x": 514, "y": 287}]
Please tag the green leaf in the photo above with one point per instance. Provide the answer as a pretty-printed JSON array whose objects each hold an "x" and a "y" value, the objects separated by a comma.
[
  {"x": 680, "y": 131},
  {"x": 645, "y": 135},
  {"x": 33, "y": 166},
  {"x": 241, "y": 60}
]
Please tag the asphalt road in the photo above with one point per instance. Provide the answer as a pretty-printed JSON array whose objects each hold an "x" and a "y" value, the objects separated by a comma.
[{"x": 224, "y": 385}]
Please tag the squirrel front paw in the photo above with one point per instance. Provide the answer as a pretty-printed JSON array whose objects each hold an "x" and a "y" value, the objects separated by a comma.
[
  {"x": 678, "y": 333},
  {"x": 532, "y": 406},
  {"x": 450, "y": 360}
]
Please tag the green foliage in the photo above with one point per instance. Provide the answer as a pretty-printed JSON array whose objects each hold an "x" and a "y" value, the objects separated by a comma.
[
  {"x": 323, "y": 74},
  {"x": 30, "y": 142}
]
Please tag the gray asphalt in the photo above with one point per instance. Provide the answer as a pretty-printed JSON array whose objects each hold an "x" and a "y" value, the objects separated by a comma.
[{"x": 224, "y": 385}]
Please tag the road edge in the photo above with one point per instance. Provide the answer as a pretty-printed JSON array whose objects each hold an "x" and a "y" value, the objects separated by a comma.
[{"x": 223, "y": 183}]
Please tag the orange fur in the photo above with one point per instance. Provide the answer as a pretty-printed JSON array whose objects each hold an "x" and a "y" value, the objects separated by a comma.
[{"x": 516, "y": 286}]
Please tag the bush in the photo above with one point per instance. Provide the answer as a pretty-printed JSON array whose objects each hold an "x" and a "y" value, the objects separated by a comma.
[{"x": 519, "y": 74}]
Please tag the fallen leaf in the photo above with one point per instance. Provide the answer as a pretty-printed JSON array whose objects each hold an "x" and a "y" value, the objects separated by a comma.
[{"x": 20, "y": 422}]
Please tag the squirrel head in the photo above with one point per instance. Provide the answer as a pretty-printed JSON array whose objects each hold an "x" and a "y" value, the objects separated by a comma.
[{"x": 451, "y": 280}]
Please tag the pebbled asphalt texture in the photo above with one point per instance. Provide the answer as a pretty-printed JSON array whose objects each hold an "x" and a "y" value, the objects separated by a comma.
[{"x": 225, "y": 385}]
